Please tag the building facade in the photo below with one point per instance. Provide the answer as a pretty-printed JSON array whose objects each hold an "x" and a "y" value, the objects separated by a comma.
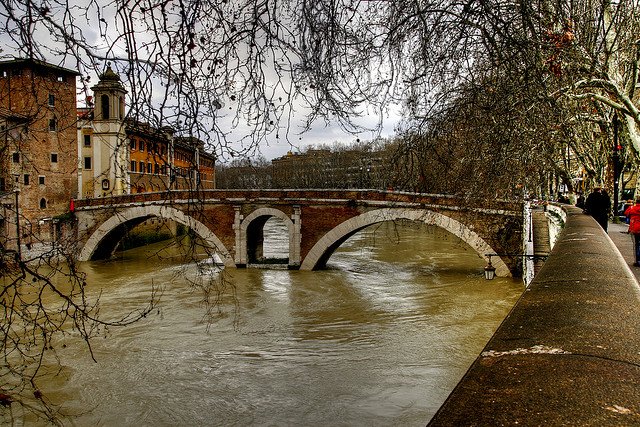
[
  {"x": 38, "y": 152},
  {"x": 355, "y": 168},
  {"x": 52, "y": 152},
  {"x": 119, "y": 155}
]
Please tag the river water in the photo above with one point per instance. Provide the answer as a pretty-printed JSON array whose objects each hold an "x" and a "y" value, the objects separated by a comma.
[{"x": 380, "y": 338}]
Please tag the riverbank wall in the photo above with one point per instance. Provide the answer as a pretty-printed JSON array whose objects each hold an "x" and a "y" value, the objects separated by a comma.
[
  {"x": 55, "y": 240},
  {"x": 568, "y": 353}
]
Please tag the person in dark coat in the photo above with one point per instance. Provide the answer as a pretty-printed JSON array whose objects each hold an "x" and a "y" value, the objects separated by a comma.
[{"x": 598, "y": 205}]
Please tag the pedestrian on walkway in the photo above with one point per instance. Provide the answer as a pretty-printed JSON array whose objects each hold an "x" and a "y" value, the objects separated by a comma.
[
  {"x": 633, "y": 213},
  {"x": 627, "y": 205},
  {"x": 598, "y": 205}
]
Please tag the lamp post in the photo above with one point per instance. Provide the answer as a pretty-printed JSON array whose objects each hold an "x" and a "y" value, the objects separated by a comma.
[
  {"x": 616, "y": 164},
  {"x": 490, "y": 270},
  {"x": 18, "y": 242}
]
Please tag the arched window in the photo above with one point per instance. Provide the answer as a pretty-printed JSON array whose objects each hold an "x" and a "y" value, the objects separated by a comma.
[
  {"x": 121, "y": 107},
  {"x": 43, "y": 203},
  {"x": 104, "y": 103}
]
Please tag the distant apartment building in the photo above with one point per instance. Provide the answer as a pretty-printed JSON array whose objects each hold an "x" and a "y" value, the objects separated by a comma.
[
  {"x": 331, "y": 169},
  {"x": 119, "y": 155},
  {"x": 38, "y": 143}
]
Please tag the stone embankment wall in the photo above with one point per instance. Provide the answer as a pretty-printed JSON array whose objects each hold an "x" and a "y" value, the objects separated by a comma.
[{"x": 569, "y": 351}]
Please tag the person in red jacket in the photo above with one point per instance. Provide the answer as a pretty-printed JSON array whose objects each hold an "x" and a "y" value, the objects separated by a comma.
[{"x": 633, "y": 213}]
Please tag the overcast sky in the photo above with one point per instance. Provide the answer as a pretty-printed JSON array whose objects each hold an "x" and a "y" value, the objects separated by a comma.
[
  {"x": 320, "y": 133},
  {"x": 325, "y": 135}
]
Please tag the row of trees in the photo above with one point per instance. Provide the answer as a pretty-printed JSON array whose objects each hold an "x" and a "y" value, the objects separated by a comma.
[
  {"x": 498, "y": 95},
  {"x": 546, "y": 79},
  {"x": 528, "y": 79},
  {"x": 502, "y": 96},
  {"x": 452, "y": 159}
]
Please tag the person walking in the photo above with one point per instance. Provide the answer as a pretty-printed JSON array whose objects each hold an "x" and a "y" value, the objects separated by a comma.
[
  {"x": 633, "y": 213},
  {"x": 598, "y": 205},
  {"x": 627, "y": 205}
]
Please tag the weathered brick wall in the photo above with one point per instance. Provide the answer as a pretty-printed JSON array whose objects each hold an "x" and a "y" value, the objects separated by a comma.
[
  {"x": 219, "y": 219},
  {"x": 317, "y": 220},
  {"x": 25, "y": 89}
]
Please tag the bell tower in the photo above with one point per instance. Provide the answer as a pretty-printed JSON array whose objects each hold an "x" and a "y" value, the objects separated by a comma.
[{"x": 106, "y": 169}]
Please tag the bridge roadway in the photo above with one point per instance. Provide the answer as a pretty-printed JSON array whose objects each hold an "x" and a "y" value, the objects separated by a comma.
[
  {"x": 569, "y": 351},
  {"x": 318, "y": 221}
]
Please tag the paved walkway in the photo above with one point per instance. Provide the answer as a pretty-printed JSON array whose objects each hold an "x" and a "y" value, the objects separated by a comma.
[{"x": 624, "y": 243}]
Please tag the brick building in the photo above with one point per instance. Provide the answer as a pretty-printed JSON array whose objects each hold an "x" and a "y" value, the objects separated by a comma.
[
  {"x": 38, "y": 143},
  {"x": 149, "y": 164},
  {"x": 158, "y": 160},
  {"x": 193, "y": 167},
  {"x": 52, "y": 152}
]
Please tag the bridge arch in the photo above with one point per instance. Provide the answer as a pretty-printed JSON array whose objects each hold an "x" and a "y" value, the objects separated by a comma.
[
  {"x": 136, "y": 215},
  {"x": 322, "y": 250},
  {"x": 251, "y": 236}
]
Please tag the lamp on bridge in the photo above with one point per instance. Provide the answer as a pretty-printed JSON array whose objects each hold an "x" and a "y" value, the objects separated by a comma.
[{"x": 489, "y": 270}]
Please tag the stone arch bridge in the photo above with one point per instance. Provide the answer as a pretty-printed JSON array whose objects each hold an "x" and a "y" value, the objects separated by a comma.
[{"x": 318, "y": 221}]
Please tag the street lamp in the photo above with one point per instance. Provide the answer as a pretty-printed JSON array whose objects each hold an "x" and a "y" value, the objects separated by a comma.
[
  {"x": 489, "y": 271},
  {"x": 18, "y": 242}
]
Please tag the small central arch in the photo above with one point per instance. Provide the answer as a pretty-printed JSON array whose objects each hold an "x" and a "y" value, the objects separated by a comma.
[
  {"x": 324, "y": 248},
  {"x": 251, "y": 237},
  {"x": 104, "y": 240}
]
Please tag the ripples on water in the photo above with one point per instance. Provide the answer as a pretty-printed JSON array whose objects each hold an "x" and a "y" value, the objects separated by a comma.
[{"x": 379, "y": 338}]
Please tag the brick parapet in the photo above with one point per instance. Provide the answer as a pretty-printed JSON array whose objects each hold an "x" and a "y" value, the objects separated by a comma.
[{"x": 317, "y": 197}]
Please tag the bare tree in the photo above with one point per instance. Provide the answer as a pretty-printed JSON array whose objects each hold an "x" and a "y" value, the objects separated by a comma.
[
  {"x": 187, "y": 63},
  {"x": 580, "y": 61},
  {"x": 43, "y": 300},
  {"x": 245, "y": 173},
  {"x": 494, "y": 90}
]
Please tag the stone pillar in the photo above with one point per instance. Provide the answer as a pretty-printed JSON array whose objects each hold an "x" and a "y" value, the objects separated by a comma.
[
  {"x": 295, "y": 239},
  {"x": 240, "y": 253}
]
